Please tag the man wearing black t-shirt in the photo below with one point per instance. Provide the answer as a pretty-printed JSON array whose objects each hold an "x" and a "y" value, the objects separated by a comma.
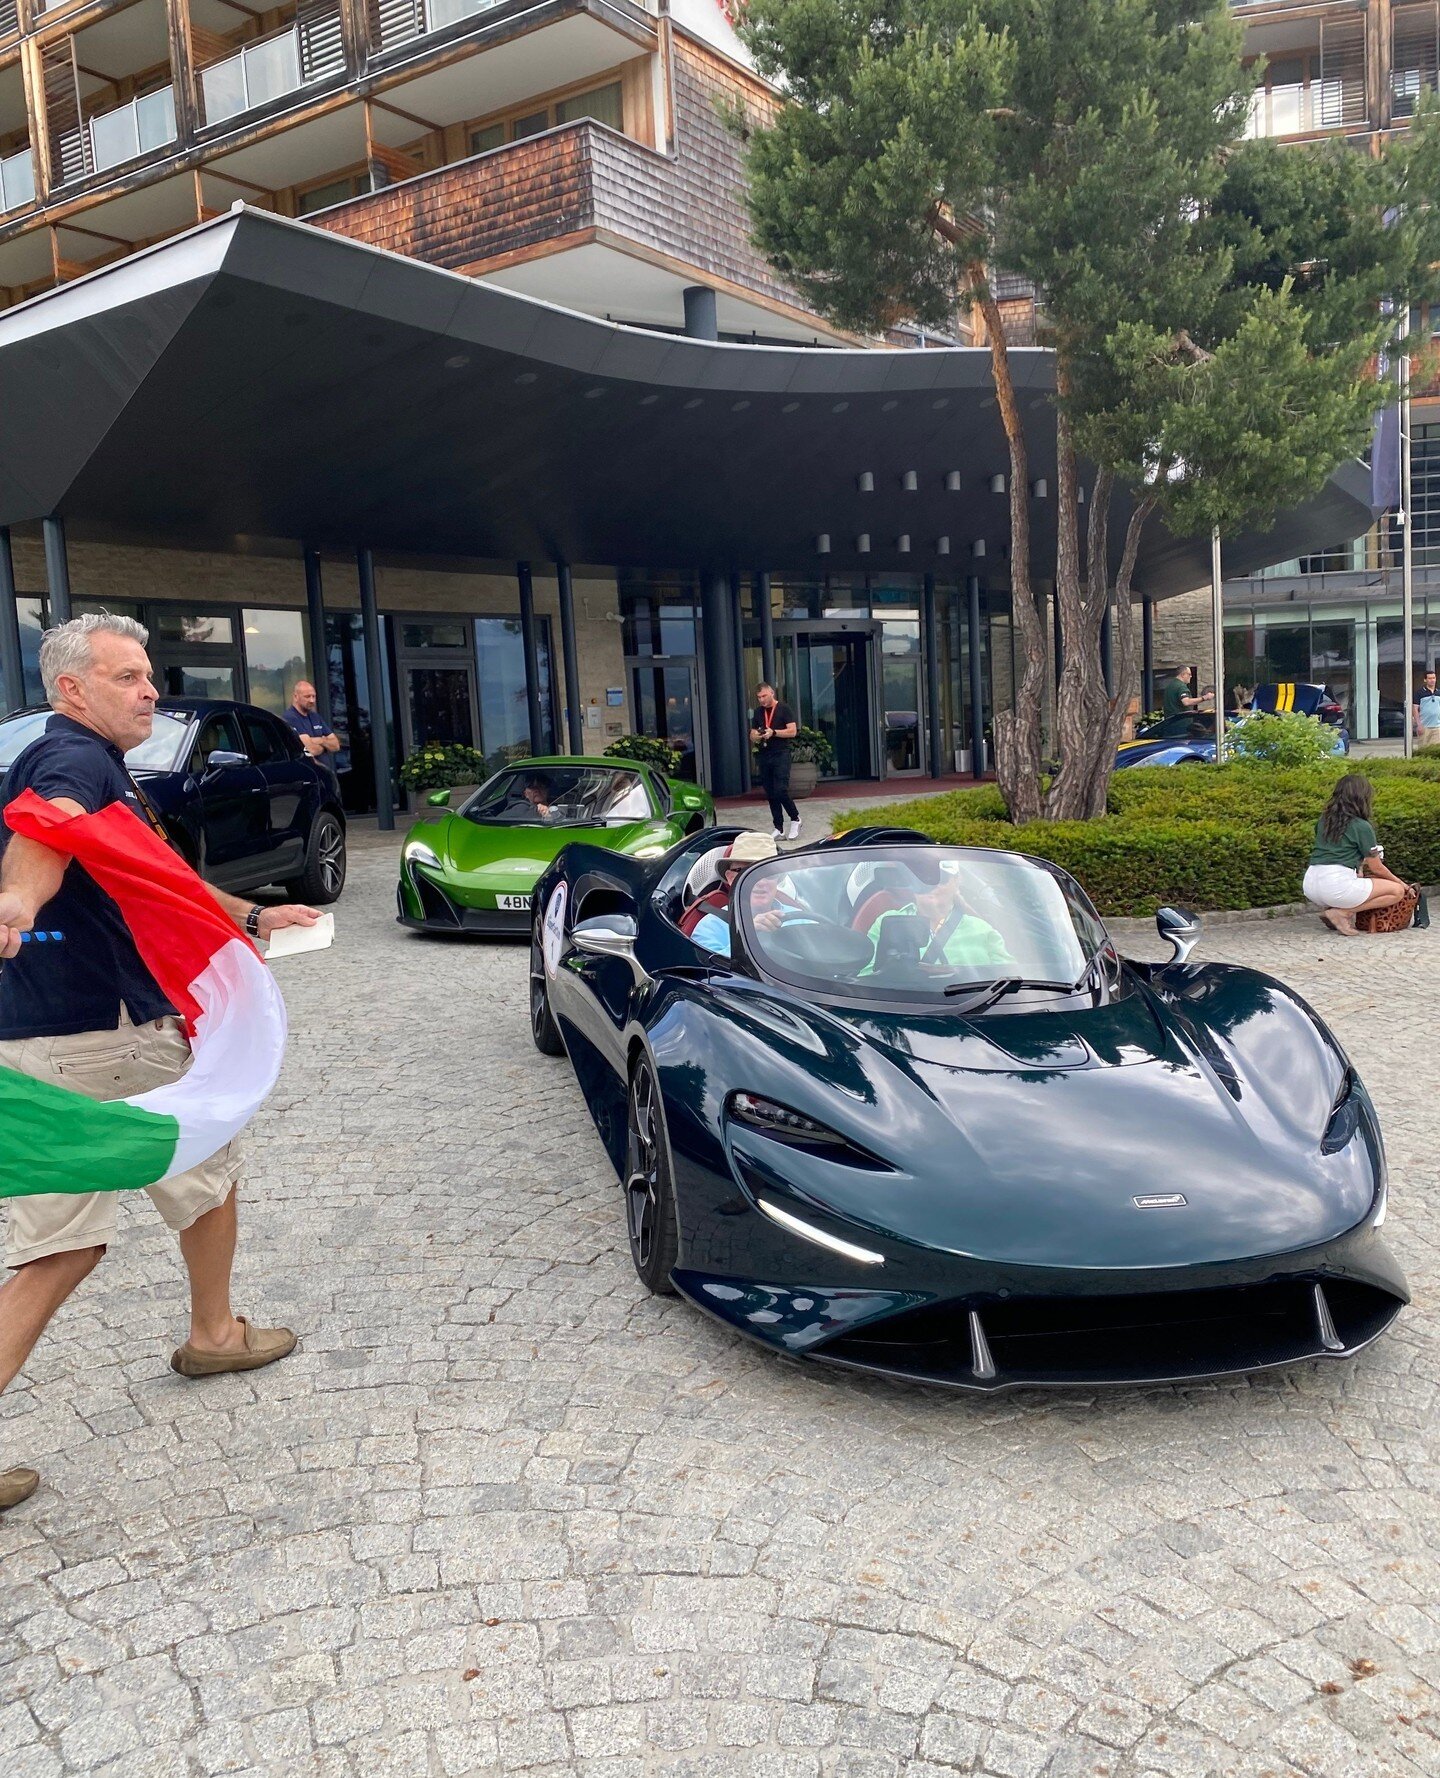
[{"x": 772, "y": 729}]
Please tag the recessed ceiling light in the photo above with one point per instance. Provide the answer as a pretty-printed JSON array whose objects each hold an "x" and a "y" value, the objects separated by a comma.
[
  {"x": 888, "y": 407},
  {"x": 695, "y": 401},
  {"x": 789, "y": 407},
  {"x": 648, "y": 400},
  {"x": 458, "y": 362},
  {"x": 944, "y": 401},
  {"x": 738, "y": 407},
  {"x": 594, "y": 394},
  {"x": 527, "y": 376},
  {"x": 839, "y": 407}
]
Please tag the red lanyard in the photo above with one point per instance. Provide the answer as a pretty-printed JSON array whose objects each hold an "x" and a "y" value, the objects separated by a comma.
[{"x": 769, "y": 717}]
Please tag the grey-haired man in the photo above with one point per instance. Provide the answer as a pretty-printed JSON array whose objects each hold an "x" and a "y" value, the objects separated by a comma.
[{"x": 88, "y": 1015}]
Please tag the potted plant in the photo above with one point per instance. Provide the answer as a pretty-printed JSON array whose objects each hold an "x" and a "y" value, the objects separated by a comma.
[
  {"x": 811, "y": 756},
  {"x": 646, "y": 750},
  {"x": 443, "y": 766}
]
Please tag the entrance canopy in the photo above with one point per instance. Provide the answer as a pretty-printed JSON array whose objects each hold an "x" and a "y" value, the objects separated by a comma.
[{"x": 261, "y": 379}]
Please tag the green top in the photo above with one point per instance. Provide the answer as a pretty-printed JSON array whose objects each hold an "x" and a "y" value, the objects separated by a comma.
[
  {"x": 1354, "y": 848},
  {"x": 974, "y": 943},
  {"x": 1172, "y": 692}
]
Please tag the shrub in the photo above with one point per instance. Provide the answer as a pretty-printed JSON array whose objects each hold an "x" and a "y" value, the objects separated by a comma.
[
  {"x": 1234, "y": 836},
  {"x": 1282, "y": 739},
  {"x": 811, "y": 747},
  {"x": 646, "y": 750},
  {"x": 440, "y": 764}
]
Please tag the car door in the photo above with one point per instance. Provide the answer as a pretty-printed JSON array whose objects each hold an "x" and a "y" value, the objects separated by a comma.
[
  {"x": 233, "y": 802},
  {"x": 291, "y": 787},
  {"x": 594, "y": 992}
]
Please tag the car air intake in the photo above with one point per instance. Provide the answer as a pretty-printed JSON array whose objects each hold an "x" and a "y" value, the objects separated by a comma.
[{"x": 1159, "y": 1336}]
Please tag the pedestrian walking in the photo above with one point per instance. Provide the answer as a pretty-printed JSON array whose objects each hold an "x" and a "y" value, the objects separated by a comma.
[
  {"x": 87, "y": 1015},
  {"x": 1425, "y": 713},
  {"x": 772, "y": 728},
  {"x": 1347, "y": 869}
]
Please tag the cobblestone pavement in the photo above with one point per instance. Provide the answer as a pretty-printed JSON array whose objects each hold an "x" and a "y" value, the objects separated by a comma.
[{"x": 502, "y": 1512}]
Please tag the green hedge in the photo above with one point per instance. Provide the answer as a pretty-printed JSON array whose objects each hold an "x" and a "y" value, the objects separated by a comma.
[{"x": 1236, "y": 836}]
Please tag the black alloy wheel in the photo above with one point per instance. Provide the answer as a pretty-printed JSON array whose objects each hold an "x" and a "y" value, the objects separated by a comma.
[
  {"x": 649, "y": 1186},
  {"x": 324, "y": 874},
  {"x": 542, "y": 1021}
]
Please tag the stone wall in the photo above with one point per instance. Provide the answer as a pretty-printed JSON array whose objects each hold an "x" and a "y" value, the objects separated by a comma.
[{"x": 1184, "y": 635}]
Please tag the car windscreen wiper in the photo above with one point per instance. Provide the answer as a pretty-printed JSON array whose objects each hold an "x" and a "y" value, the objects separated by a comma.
[{"x": 990, "y": 992}]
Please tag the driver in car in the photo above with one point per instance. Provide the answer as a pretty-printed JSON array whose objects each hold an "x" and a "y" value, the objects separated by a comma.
[
  {"x": 951, "y": 934},
  {"x": 537, "y": 793}
]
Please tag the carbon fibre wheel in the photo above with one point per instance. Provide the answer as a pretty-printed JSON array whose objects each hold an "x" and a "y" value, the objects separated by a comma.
[{"x": 649, "y": 1186}]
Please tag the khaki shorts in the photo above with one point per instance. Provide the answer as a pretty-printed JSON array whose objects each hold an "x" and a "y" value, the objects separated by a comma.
[
  {"x": 1429, "y": 737},
  {"x": 109, "y": 1065}
]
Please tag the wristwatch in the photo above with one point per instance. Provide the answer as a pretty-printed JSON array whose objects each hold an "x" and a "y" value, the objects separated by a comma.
[{"x": 252, "y": 921}]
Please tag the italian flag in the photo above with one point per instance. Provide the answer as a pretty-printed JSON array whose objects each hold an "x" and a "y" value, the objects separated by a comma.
[{"x": 54, "y": 1140}]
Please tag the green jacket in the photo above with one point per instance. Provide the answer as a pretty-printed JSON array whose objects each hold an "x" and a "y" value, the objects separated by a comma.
[{"x": 974, "y": 943}]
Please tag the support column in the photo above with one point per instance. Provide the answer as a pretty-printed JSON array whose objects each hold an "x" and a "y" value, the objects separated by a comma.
[
  {"x": 700, "y": 318},
  {"x": 742, "y": 691},
  {"x": 57, "y": 570},
  {"x": 575, "y": 724},
  {"x": 375, "y": 674},
  {"x": 532, "y": 657},
  {"x": 1147, "y": 653},
  {"x": 763, "y": 599},
  {"x": 315, "y": 622},
  {"x": 930, "y": 642},
  {"x": 1107, "y": 663},
  {"x": 12, "y": 664},
  {"x": 977, "y": 678},
  {"x": 724, "y": 715}
]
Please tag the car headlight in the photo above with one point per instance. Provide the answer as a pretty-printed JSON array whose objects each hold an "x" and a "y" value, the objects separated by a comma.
[
  {"x": 796, "y": 1130},
  {"x": 1344, "y": 1116},
  {"x": 417, "y": 852}
]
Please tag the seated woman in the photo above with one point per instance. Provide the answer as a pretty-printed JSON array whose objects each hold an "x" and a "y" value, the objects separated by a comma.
[{"x": 951, "y": 933}]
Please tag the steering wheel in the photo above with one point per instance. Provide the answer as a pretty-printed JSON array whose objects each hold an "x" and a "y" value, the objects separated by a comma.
[{"x": 832, "y": 952}]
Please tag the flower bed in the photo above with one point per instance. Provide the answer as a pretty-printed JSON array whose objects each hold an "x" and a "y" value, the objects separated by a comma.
[{"x": 1234, "y": 836}]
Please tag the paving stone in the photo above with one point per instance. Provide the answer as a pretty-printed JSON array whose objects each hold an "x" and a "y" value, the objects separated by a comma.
[{"x": 504, "y": 1513}]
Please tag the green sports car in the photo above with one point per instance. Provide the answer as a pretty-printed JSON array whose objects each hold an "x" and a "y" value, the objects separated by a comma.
[{"x": 475, "y": 868}]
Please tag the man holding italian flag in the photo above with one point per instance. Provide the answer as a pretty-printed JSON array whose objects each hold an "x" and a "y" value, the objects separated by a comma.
[{"x": 134, "y": 1050}]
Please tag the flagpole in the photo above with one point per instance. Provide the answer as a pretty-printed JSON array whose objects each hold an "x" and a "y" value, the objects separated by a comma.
[
  {"x": 1407, "y": 553},
  {"x": 1217, "y": 626}
]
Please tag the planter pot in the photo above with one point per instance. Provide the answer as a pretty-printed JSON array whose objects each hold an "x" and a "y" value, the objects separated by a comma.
[{"x": 804, "y": 776}]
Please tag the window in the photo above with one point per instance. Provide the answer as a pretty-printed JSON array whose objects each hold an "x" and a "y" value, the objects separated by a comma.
[
  {"x": 604, "y": 105},
  {"x": 1425, "y": 494},
  {"x": 334, "y": 191},
  {"x": 266, "y": 738},
  {"x": 1415, "y": 39},
  {"x": 275, "y": 654},
  {"x": 221, "y": 734}
]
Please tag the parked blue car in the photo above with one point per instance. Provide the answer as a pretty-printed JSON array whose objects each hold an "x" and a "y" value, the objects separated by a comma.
[
  {"x": 1185, "y": 739},
  {"x": 242, "y": 800}
]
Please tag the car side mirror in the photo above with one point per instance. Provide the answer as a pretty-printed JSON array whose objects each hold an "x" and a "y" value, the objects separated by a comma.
[
  {"x": 607, "y": 935},
  {"x": 438, "y": 799},
  {"x": 221, "y": 758},
  {"x": 1180, "y": 930}
]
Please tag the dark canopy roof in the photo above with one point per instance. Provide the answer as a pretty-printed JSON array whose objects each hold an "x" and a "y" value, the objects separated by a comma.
[{"x": 260, "y": 378}]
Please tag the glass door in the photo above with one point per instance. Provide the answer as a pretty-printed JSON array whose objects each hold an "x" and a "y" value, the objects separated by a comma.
[
  {"x": 437, "y": 682},
  {"x": 665, "y": 698},
  {"x": 834, "y": 676},
  {"x": 900, "y": 692}
]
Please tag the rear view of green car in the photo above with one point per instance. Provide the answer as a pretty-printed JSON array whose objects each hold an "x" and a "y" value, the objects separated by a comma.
[{"x": 475, "y": 868}]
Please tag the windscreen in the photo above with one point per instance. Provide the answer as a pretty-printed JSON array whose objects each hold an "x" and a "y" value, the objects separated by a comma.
[
  {"x": 910, "y": 922},
  {"x": 561, "y": 796},
  {"x": 158, "y": 754}
]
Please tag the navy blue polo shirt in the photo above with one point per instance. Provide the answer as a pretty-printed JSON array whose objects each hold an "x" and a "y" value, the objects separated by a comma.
[
  {"x": 80, "y": 985},
  {"x": 308, "y": 722}
]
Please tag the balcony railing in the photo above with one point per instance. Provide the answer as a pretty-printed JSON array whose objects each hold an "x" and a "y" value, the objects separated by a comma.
[
  {"x": 307, "y": 52},
  {"x": 115, "y": 137},
  {"x": 17, "y": 180},
  {"x": 397, "y": 21}
]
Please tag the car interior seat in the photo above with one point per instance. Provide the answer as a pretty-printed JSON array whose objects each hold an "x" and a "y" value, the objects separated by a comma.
[{"x": 887, "y": 890}]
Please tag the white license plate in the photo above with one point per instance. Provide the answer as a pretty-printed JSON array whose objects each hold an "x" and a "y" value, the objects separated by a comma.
[{"x": 513, "y": 904}]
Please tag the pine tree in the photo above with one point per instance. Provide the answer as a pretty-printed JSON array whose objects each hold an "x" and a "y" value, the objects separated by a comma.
[{"x": 1214, "y": 304}]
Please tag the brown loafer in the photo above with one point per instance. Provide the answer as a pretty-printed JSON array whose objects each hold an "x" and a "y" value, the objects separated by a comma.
[
  {"x": 17, "y": 1485},
  {"x": 263, "y": 1345}
]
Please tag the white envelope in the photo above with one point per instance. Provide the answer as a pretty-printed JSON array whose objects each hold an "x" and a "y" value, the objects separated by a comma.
[{"x": 290, "y": 941}]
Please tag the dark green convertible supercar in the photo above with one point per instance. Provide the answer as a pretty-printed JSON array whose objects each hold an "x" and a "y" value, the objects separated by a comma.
[
  {"x": 912, "y": 1111},
  {"x": 474, "y": 869}
]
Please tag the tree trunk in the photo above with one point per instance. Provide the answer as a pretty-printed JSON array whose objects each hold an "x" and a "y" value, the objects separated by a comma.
[
  {"x": 1081, "y": 702},
  {"x": 1017, "y": 731}
]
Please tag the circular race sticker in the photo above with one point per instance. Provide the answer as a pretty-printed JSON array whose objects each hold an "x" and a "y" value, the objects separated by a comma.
[{"x": 554, "y": 930}]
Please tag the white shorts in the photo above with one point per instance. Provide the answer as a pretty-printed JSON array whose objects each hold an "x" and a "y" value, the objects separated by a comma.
[{"x": 1335, "y": 886}]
